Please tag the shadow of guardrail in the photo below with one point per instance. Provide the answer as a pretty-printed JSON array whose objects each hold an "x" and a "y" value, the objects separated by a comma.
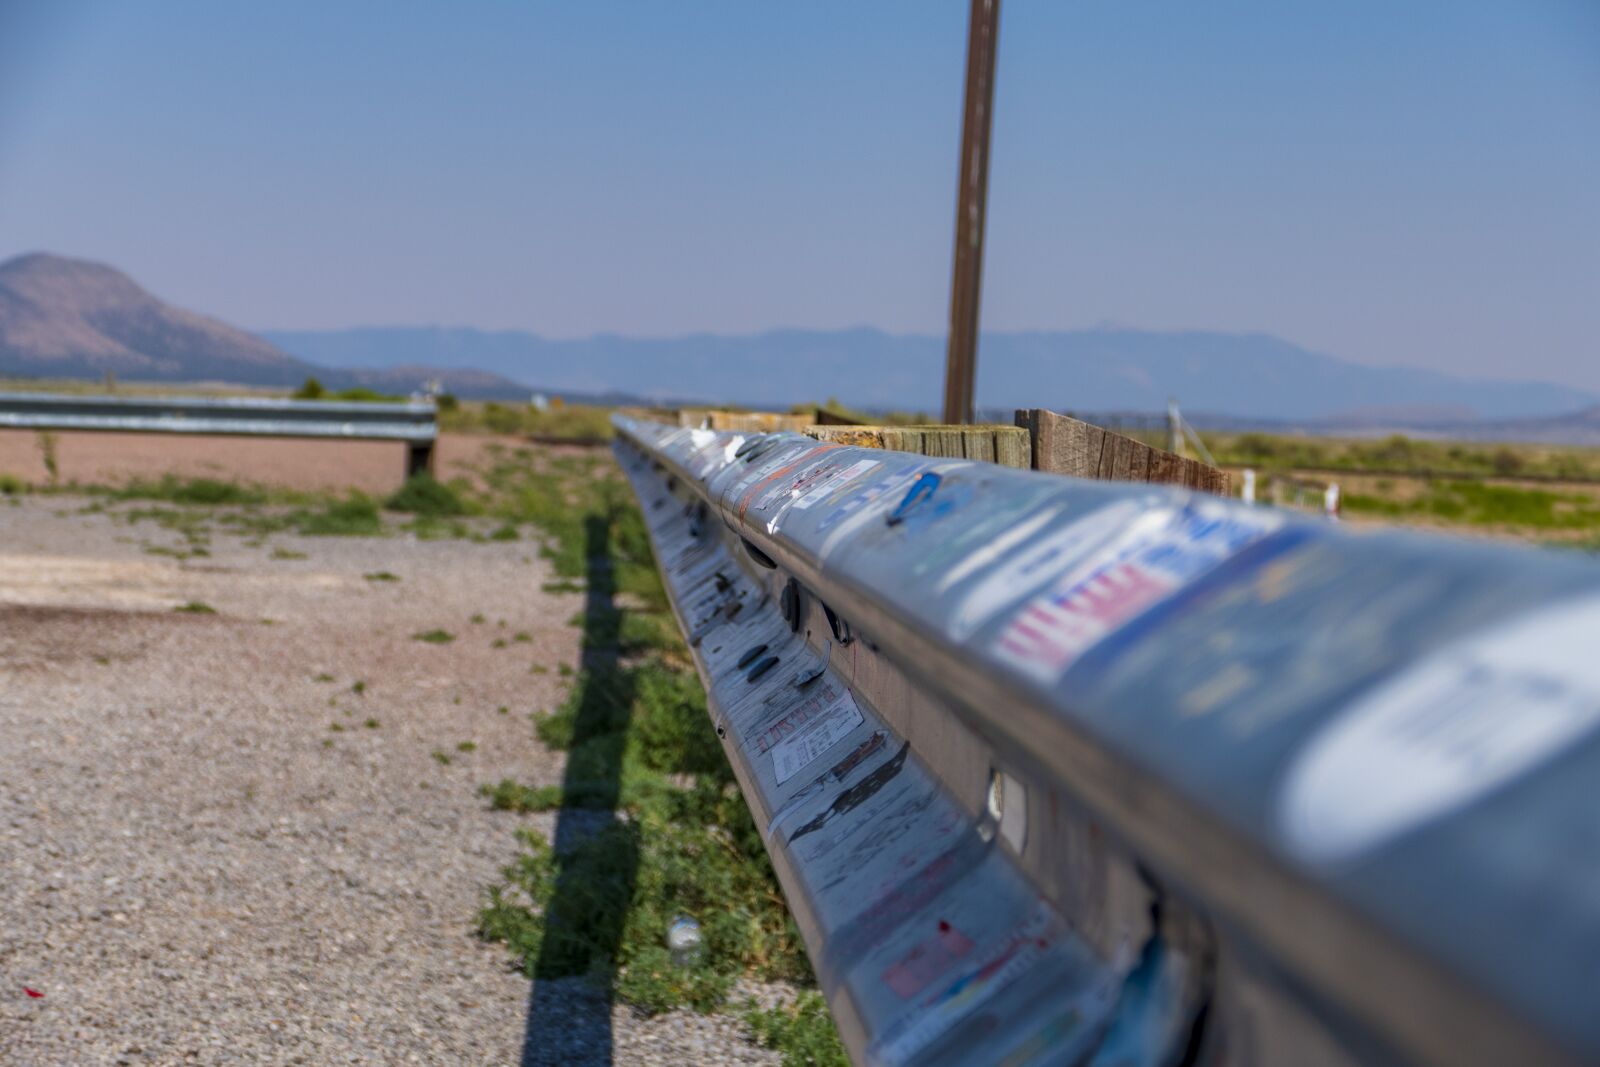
[{"x": 569, "y": 1006}]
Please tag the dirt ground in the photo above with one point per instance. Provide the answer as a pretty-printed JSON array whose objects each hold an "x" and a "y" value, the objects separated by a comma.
[
  {"x": 89, "y": 458},
  {"x": 254, "y": 835}
]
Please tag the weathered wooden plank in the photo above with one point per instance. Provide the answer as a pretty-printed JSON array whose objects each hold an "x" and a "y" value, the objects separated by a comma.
[
  {"x": 1165, "y": 468},
  {"x": 904, "y": 439},
  {"x": 855, "y": 436},
  {"x": 977, "y": 442},
  {"x": 1215, "y": 480},
  {"x": 1139, "y": 462},
  {"x": 1029, "y": 421},
  {"x": 1119, "y": 451},
  {"x": 943, "y": 441},
  {"x": 1064, "y": 445},
  {"x": 1013, "y": 447}
]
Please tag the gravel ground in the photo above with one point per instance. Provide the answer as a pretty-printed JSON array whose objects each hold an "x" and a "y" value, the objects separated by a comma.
[{"x": 198, "y": 868}]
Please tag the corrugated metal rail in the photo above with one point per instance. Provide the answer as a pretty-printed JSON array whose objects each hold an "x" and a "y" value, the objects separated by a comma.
[
  {"x": 414, "y": 423},
  {"x": 1055, "y": 771}
]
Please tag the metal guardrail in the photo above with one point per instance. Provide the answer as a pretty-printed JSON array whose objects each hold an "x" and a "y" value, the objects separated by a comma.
[
  {"x": 1057, "y": 771},
  {"x": 414, "y": 423}
]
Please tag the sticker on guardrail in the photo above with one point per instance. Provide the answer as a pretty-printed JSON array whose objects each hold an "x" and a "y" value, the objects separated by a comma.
[
  {"x": 968, "y": 980},
  {"x": 855, "y": 508},
  {"x": 1446, "y": 732},
  {"x": 815, "y": 731},
  {"x": 812, "y": 494},
  {"x": 1155, "y": 555},
  {"x": 1025, "y": 569},
  {"x": 814, "y": 485}
]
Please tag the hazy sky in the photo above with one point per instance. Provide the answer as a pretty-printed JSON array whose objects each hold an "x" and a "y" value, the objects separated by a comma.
[{"x": 1394, "y": 183}]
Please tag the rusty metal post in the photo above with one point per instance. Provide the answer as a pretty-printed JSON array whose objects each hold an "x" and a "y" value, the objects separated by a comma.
[{"x": 961, "y": 357}]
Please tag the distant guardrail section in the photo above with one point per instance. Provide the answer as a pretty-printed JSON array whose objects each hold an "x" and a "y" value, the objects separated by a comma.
[
  {"x": 415, "y": 423},
  {"x": 1060, "y": 771}
]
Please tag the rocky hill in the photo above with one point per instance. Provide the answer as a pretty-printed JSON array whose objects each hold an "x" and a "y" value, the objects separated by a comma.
[{"x": 70, "y": 318}]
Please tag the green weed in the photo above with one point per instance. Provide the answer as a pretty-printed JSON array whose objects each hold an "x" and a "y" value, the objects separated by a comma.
[
  {"x": 507, "y": 795},
  {"x": 355, "y": 515},
  {"x": 201, "y": 491},
  {"x": 802, "y": 1031},
  {"x": 424, "y": 495},
  {"x": 196, "y": 607},
  {"x": 434, "y": 637},
  {"x": 1480, "y": 504}
]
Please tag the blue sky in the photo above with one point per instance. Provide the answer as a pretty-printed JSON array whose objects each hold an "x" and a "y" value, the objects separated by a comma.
[{"x": 1408, "y": 183}]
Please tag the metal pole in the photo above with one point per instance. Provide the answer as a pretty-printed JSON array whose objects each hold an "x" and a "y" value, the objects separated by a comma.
[{"x": 967, "y": 269}]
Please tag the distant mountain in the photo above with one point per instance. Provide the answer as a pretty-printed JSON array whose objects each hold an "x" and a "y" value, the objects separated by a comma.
[
  {"x": 1081, "y": 370},
  {"x": 70, "y": 318}
]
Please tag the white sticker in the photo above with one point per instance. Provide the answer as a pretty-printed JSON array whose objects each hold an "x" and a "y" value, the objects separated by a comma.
[
  {"x": 814, "y": 735},
  {"x": 1445, "y": 733},
  {"x": 810, "y": 495}
]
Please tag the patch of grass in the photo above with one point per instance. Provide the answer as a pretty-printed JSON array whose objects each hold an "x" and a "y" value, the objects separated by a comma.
[
  {"x": 324, "y": 677},
  {"x": 176, "y": 553},
  {"x": 11, "y": 485},
  {"x": 507, "y": 795},
  {"x": 466, "y": 746},
  {"x": 424, "y": 495},
  {"x": 354, "y": 515},
  {"x": 203, "y": 491},
  {"x": 477, "y": 619},
  {"x": 434, "y": 637},
  {"x": 358, "y": 688},
  {"x": 371, "y": 724},
  {"x": 522, "y": 637},
  {"x": 498, "y": 642},
  {"x": 196, "y": 607},
  {"x": 336, "y": 727},
  {"x": 639, "y": 742},
  {"x": 559, "y": 422},
  {"x": 565, "y": 585},
  {"x": 381, "y": 576},
  {"x": 1398, "y": 454},
  {"x": 803, "y": 1032},
  {"x": 287, "y": 553},
  {"x": 638, "y": 737},
  {"x": 312, "y": 389},
  {"x": 441, "y": 757},
  {"x": 1480, "y": 504},
  {"x": 503, "y": 710},
  {"x": 505, "y": 532}
]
